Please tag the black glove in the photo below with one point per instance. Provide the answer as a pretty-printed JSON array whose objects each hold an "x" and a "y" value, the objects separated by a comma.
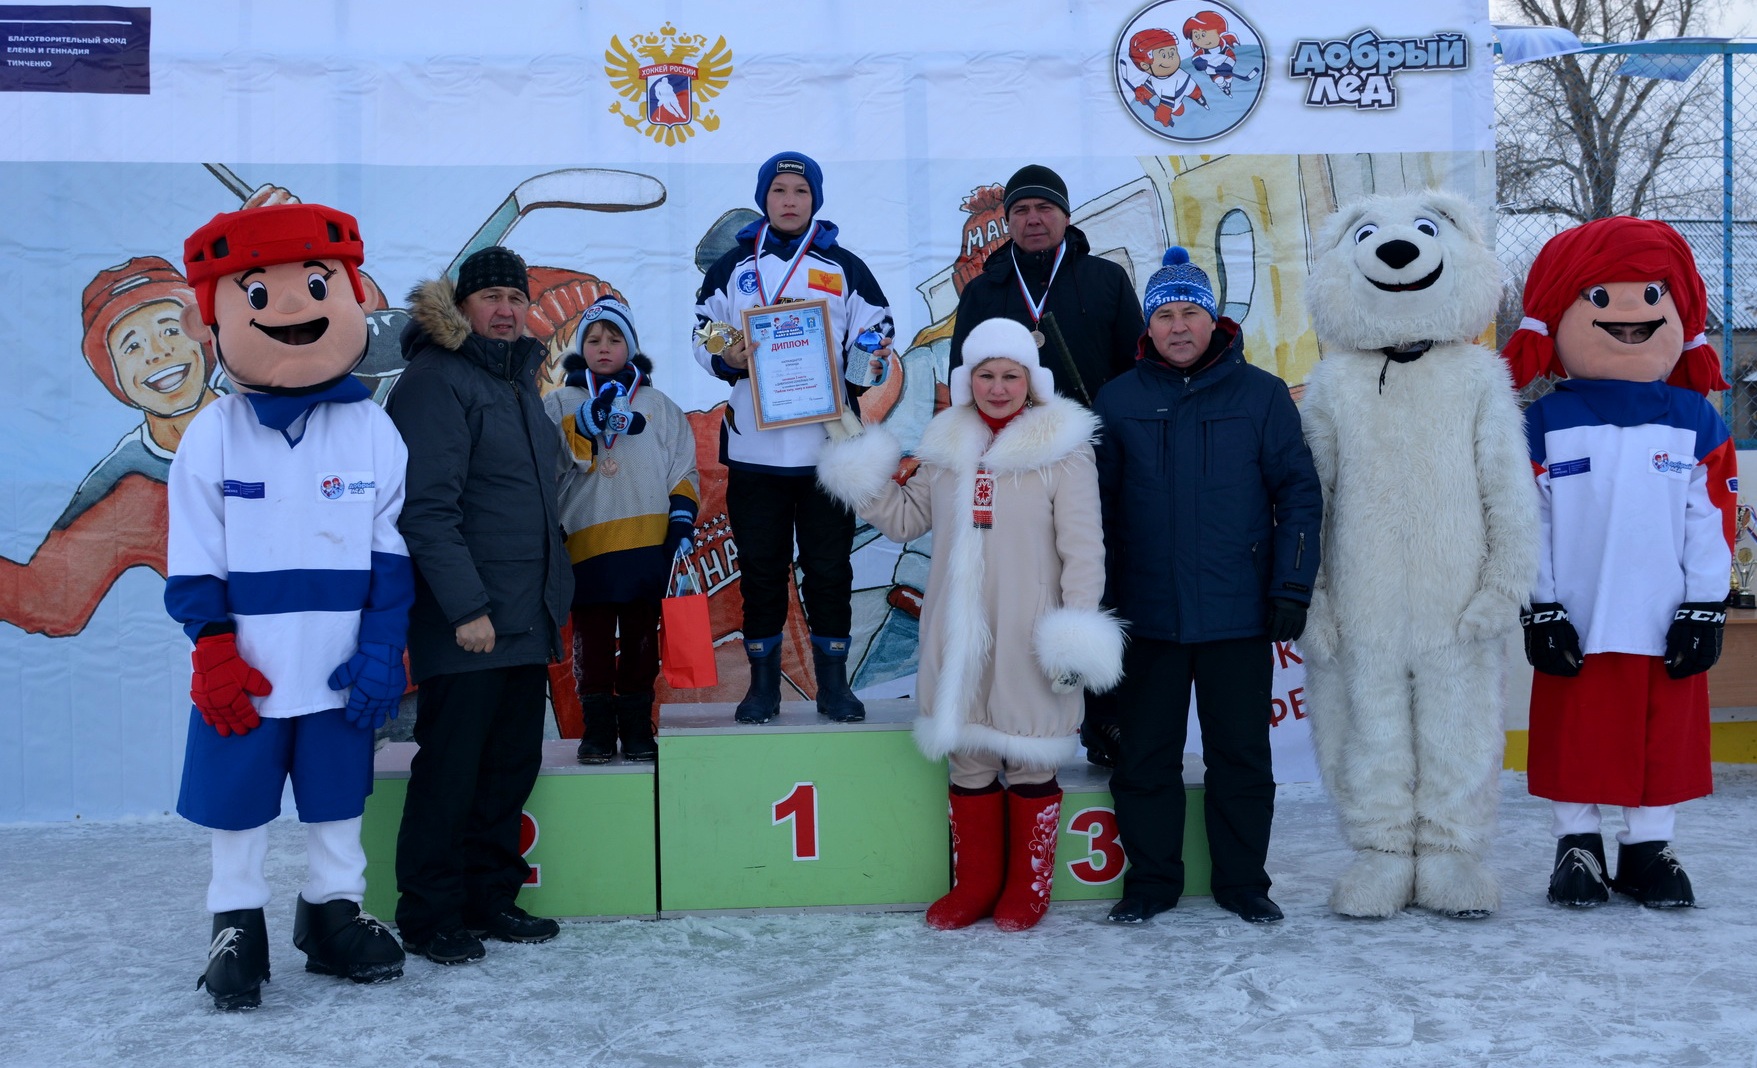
[
  {"x": 1692, "y": 645},
  {"x": 1287, "y": 619},
  {"x": 1552, "y": 645}
]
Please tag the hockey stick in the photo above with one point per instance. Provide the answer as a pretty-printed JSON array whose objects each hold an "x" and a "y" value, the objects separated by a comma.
[{"x": 587, "y": 188}]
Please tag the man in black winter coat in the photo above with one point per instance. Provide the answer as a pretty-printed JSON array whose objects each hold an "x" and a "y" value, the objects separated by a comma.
[
  {"x": 1081, "y": 307},
  {"x": 492, "y": 587},
  {"x": 1083, "y": 315},
  {"x": 1211, "y": 516}
]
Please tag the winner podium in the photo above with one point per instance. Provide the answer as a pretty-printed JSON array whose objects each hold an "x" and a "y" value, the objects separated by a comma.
[{"x": 794, "y": 814}]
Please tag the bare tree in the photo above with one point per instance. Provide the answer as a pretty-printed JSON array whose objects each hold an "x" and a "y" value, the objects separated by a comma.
[{"x": 1578, "y": 141}]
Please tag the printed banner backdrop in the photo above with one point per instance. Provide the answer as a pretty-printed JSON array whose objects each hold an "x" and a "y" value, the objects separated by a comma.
[{"x": 616, "y": 149}]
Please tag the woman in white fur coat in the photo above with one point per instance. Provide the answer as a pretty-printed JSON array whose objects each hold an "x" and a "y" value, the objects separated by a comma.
[
  {"x": 1430, "y": 546},
  {"x": 1011, "y": 629}
]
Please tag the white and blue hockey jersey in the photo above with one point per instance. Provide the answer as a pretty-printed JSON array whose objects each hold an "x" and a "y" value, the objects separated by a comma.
[
  {"x": 1637, "y": 484},
  {"x": 291, "y": 535},
  {"x": 748, "y": 278}
]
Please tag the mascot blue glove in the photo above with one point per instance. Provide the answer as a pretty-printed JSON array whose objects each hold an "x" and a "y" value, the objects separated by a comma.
[{"x": 375, "y": 671}]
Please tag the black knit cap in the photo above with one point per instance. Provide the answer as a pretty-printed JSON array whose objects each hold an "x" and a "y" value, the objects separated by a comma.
[
  {"x": 490, "y": 267},
  {"x": 1036, "y": 180}
]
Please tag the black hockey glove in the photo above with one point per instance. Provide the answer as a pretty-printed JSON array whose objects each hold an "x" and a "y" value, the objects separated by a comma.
[
  {"x": 1287, "y": 619},
  {"x": 1692, "y": 645},
  {"x": 1552, "y": 645}
]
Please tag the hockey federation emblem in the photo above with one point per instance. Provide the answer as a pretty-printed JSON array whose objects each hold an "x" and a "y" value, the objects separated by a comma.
[
  {"x": 1189, "y": 71},
  {"x": 656, "y": 73}
]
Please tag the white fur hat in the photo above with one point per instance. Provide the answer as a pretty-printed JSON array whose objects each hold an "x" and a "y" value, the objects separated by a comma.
[{"x": 1000, "y": 339}]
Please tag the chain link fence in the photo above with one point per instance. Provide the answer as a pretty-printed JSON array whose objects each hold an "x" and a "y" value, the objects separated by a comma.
[{"x": 1663, "y": 130}]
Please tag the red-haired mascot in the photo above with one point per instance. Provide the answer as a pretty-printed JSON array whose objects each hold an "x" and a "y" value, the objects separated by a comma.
[
  {"x": 287, "y": 571},
  {"x": 1638, "y": 478}
]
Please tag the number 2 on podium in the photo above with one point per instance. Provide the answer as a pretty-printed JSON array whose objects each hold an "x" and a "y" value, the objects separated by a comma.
[{"x": 800, "y": 806}]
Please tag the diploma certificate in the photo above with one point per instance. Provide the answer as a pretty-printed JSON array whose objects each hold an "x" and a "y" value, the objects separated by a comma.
[{"x": 794, "y": 375}]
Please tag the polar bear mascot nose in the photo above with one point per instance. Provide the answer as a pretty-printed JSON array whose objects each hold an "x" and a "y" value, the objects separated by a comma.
[
  {"x": 1429, "y": 549},
  {"x": 1394, "y": 270}
]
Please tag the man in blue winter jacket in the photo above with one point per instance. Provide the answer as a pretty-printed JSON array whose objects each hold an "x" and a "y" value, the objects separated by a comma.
[{"x": 1211, "y": 514}]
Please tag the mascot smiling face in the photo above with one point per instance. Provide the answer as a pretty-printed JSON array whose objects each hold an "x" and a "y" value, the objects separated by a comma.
[
  {"x": 1616, "y": 298},
  {"x": 280, "y": 289},
  {"x": 1394, "y": 270}
]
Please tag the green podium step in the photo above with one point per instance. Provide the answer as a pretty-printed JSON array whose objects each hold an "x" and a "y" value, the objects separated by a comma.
[
  {"x": 588, "y": 835},
  {"x": 798, "y": 812},
  {"x": 1089, "y": 857},
  {"x": 794, "y": 814}
]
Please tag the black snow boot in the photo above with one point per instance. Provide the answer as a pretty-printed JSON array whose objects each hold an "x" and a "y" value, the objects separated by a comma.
[
  {"x": 339, "y": 939},
  {"x": 1650, "y": 873},
  {"x": 1578, "y": 880},
  {"x": 835, "y": 701},
  {"x": 762, "y": 701},
  {"x": 598, "y": 740},
  {"x": 237, "y": 960},
  {"x": 634, "y": 722}
]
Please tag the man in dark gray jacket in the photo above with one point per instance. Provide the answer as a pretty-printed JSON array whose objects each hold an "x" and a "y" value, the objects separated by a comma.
[
  {"x": 492, "y": 586},
  {"x": 1211, "y": 514}
]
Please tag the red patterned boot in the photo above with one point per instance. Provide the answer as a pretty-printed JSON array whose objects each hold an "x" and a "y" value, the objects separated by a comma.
[
  {"x": 1033, "y": 820},
  {"x": 979, "y": 838}
]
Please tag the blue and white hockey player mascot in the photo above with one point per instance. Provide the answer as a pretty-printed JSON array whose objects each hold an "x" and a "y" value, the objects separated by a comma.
[
  {"x": 1430, "y": 544},
  {"x": 287, "y": 571},
  {"x": 1638, "y": 480}
]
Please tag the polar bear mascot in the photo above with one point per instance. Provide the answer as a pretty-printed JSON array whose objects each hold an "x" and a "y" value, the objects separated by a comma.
[{"x": 1430, "y": 545}]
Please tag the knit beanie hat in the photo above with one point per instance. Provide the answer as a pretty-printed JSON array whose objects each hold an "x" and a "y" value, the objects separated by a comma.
[
  {"x": 1619, "y": 249},
  {"x": 1036, "y": 180},
  {"x": 115, "y": 292},
  {"x": 490, "y": 267},
  {"x": 1179, "y": 279},
  {"x": 790, "y": 163},
  {"x": 612, "y": 311},
  {"x": 1000, "y": 339}
]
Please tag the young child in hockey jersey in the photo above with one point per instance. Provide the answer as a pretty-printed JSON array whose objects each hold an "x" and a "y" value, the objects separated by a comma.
[
  {"x": 287, "y": 571},
  {"x": 1637, "y": 480},
  {"x": 628, "y": 506}
]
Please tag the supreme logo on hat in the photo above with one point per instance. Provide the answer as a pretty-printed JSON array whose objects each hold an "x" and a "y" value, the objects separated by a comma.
[{"x": 789, "y": 166}]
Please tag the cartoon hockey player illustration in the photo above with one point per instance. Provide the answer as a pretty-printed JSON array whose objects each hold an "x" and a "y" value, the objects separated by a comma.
[
  {"x": 1154, "y": 53},
  {"x": 135, "y": 343},
  {"x": 287, "y": 571},
  {"x": 1212, "y": 49}
]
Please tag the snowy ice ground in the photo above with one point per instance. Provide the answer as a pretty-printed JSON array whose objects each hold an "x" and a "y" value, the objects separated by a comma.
[{"x": 104, "y": 934}]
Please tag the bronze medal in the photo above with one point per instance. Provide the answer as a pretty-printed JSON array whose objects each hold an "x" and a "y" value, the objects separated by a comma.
[{"x": 609, "y": 467}]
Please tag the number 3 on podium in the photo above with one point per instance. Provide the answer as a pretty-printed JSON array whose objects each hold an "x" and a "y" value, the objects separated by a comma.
[{"x": 800, "y": 806}]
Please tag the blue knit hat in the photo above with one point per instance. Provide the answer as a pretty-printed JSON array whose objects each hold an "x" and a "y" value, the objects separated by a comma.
[
  {"x": 1179, "y": 279},
  {"x": 790, "y": 163},
  {"x": 612, "y": 311}
]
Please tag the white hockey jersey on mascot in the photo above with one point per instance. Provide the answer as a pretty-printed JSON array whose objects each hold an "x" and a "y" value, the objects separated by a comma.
[{"x": 1429, "y": 550}]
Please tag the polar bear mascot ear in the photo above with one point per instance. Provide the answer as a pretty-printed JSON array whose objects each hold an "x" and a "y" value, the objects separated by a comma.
[{"x": 1392, "y": 270}]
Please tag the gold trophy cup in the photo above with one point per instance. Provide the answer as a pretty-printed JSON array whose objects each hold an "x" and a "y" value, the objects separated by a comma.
[
  {"x": 1744, "y": 562},
  {"x": 717, "y": 337}
]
